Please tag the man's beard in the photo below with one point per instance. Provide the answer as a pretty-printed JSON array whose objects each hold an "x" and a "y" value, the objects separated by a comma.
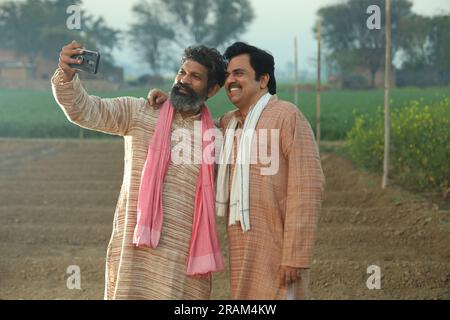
[{"x": 185, "y": 102}]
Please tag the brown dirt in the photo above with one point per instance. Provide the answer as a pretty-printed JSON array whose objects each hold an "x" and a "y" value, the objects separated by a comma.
[{"x": 57, "y": 201}]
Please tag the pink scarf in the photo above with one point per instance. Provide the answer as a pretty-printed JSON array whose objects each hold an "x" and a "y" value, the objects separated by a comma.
[{"x": 204, "y": 249}]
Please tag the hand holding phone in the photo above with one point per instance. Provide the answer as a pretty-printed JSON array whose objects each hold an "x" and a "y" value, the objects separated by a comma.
[
  {"x": 72, "y": 59},
  {"x": 89, "y": 61}
]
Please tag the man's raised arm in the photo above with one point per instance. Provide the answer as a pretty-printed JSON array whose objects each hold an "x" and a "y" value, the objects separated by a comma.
[{"x": 113, "y": 116}]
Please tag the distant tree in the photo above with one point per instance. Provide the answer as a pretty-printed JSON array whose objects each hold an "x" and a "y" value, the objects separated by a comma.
[
  {"x": 348, "y": 41},
  {"x": 38, "y": 27},
  {"x": 232, "y": 20},
  {"x": 22, "y": 23},
  {"x": 101, "y": 36},
  {"x": 425, "y": 44},
  {"x": 413, "y": 42},
  {"x": 152, "y": 35},
  {"x": 440, "y": 37},
  {"x": 166, "y": 26}
]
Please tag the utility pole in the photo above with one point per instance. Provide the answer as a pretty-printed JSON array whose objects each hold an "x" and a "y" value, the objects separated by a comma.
[
  {"x": 318, "y": 84},
  {"x": 295, "y": 72},
  {"x": 387, "y": 85}
]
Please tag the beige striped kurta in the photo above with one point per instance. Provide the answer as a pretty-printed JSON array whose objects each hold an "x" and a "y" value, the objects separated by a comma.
[
  {"x": 284, "y": 208},
  {"x": 141, "y": 273}
]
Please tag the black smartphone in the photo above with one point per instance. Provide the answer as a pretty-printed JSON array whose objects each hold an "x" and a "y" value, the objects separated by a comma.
[{"x": 90, "y": 61}]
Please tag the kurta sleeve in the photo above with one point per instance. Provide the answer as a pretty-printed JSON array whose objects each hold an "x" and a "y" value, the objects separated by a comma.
[
  {"x": 113, "y": 116},
  {"x": 305, "y": 185}
]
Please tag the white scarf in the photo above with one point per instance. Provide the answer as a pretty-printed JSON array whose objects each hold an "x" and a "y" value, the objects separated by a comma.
[{"x": 238, "y": 199}]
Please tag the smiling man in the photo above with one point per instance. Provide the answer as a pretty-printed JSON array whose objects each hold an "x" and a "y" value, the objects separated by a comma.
[
  {"x": 272, "y": 214},
  {"x": 164, "y": 242},
  {"x": 272, "y": 217}
]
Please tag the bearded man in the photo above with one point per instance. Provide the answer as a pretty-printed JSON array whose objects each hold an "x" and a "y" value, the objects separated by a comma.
[
  {"x": 272, "y": 214},
  {"x": 164, "y": 243}
]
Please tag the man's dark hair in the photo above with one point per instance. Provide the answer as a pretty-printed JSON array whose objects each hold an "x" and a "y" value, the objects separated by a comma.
[
  {"x": 211, "y": 59},
  {"x": 261, "y": 61}
]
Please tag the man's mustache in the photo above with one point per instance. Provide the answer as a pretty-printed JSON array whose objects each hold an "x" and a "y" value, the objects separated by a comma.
[{"x": 176, "y": 87}]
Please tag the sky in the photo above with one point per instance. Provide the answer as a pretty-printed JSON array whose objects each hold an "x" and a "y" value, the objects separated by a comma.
[{"x": 275, "y": 25}]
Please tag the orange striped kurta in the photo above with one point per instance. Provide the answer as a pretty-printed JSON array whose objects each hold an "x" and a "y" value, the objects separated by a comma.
[
  {"x": 284, "y": 208},
  {"x": 141, "y": 273}
]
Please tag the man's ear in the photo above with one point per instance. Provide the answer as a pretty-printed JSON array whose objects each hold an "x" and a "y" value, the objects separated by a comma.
[
  {"x": 212, "y": 91},
  {"x": 264, "y": 81}
]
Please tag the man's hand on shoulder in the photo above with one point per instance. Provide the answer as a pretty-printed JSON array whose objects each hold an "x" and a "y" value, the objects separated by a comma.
[{"x": 156, "y": 98}]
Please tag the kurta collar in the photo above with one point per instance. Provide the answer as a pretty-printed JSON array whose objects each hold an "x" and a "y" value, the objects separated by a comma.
[
  {"x": 179, "y": 118},
  {"x": 240, "y": 118}
]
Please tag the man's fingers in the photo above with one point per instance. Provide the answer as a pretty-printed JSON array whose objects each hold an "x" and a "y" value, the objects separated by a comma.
[
  {"x": 71, "y": 52},
  {"x": 67, "y": 54},
  {"x": 68, "y": 51},
  {"x": 294, "y": 276},
  {"x": 67, "y": 59},
  {"x": 289, "y": 275},
  {"x": 156, "y": 98},
  {"x": 288, "y": 278},
  {"x": 64, "y": 65},
  {"x": 282, "y": 278},
  {"x": 152, "y": 101},
  {"x": 151, "y": 96},
  {"x": 65, "y": 68},
  {"x": 74, "y": 45},
  {"x": 72, "y": 49},
  {"x": 158, "y": 95}
]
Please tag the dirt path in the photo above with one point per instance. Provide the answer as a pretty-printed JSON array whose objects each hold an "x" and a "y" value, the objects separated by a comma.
[{"x": 57, "y": 201}]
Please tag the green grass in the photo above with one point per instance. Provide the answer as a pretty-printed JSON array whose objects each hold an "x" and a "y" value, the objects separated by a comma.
[
  {"x": 338, "y": 108},
  {"x": 34, "y": 114}
]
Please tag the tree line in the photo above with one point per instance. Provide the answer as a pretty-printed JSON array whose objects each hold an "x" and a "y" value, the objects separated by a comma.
[
  {"x": 38, "y": 27},
  {"x": 420, "y": 44}
]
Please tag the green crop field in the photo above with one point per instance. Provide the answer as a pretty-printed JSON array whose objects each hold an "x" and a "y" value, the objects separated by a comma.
[{"x": 34, "y": 114}]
